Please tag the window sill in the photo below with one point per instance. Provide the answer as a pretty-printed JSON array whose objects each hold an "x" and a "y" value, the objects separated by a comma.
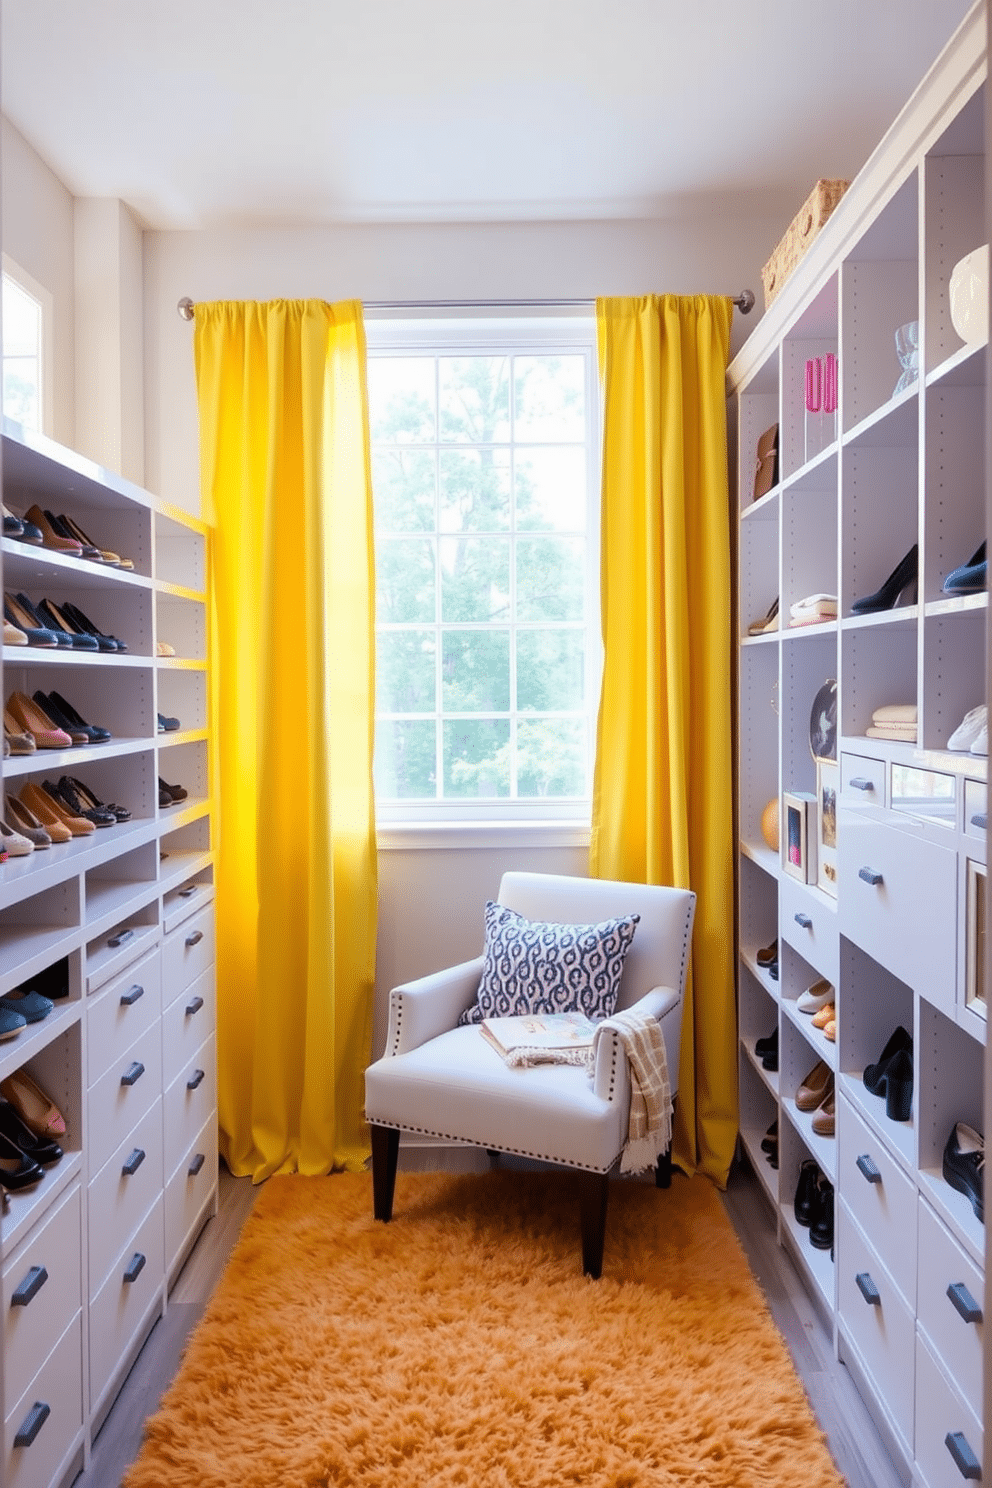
[{"x": 466, "y": 835}]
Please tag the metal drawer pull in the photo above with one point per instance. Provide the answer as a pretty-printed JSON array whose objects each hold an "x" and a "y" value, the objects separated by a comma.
[
  {"x": 870, "y": 875},
  {"x": 194, "y": 1006},
  {"x": 32, "y": 1424},
  {"x": 868, "y": 1289},
  {"x": 133, "y": 1073},
  {"x": 188, "y": 890},
  {"x": 130, "y": 997},
  {"x": 194, "y": 1079},
  {"x": 196, "y": 1165},
  {"x": 120, "y": 938},
  {"x": 980, "y": 820},
  {"x": 29, "y": 1287},
  {"x": 868, "y": 1169},
  {"x": 862, "y": 783},
  {"x": 133, "y": 1163},
  {"x": 135, "y": 1267},
  {"x": 194, "y": 939},
  {"x": 965, "y": 1460},
  {"x": 804, "y": 920},
  {"x": 964, "y": 1302}
]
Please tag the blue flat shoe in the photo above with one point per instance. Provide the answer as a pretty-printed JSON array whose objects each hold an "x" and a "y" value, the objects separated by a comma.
[
  {"x": 971, "y": 578},
  {"x": 31, "y": 1006},
  {"x": 11, "y": 1023}
]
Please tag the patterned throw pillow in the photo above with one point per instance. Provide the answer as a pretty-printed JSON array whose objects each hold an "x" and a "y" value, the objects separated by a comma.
[{"x": 532, "y": 967}]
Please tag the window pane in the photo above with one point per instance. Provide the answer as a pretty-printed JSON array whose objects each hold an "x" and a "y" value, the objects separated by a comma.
[
  {"x": 403, "y": 486},
  {"x": 550, "y": 670},
  {"x": 475, "y": 578},
  {"x": 477, "y": 757},
  {"x": 20, "y": 391},
  {"x": 475, "y": 671},
  {"x": 475, "y": 490},
  {"x": 401, "y": 399},
  {"x": 552, "y": 757},
  {"x": 405, "y": 759},
  {"x": 405, "y": 675},
  {"x": 550, "y": 489},
  {"x": 21, "y": 321},
  {"x": 474, "y": 398},
  {"x": 551, "y": 578},
  {"x": 549, "y": 397},
  {"x": 404, "y": 574}
]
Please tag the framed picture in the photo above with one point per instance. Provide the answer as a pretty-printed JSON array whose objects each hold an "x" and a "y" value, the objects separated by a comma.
[
  {"x": 799, "y": 835},
  {"x": 976, "y": 998},
  {"x": 827, "y": 788}
]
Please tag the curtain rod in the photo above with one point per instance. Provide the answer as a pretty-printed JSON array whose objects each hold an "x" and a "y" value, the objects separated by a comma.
[{"x": 744, "y": 302}]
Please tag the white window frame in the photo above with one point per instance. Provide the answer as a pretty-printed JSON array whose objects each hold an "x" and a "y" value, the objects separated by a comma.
[
  {"x": 508, "y": 822},
  {"x": 46, "y": 379}
]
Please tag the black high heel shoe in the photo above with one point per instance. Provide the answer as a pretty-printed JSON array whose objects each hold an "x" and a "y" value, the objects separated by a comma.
[
  {"x": 17, "y": 1170},
  {"x": 875, "y": 1073},
  {"x": 75, "y": 613},
  {"x": 902, "y": 577}
]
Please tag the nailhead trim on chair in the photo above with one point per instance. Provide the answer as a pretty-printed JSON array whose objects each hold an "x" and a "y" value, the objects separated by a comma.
[
  {"x": 564, "y": 1162},
  {"x": 396, "y": 1001}
]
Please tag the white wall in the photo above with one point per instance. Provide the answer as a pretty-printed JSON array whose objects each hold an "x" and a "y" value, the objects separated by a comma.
[{"x": 711, "y": 254}]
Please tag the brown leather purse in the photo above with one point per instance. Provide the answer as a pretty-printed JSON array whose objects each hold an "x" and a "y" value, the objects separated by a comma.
[{"x": 766, "y": 464}]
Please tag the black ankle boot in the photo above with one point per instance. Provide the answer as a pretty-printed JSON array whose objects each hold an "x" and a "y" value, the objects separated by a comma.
[{"x": 901, "y": 578}]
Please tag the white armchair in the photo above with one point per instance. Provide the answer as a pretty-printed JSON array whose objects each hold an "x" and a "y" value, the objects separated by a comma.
[{"x": 438, "y": 1079}]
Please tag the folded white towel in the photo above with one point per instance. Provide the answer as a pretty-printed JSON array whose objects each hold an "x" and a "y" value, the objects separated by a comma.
[{"x": 895, "y": 713}]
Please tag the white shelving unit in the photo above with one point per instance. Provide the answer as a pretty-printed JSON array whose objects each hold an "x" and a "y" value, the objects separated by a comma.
[
  {"x": 123, "y": 920},
  {"x": 900, "y": 929}
]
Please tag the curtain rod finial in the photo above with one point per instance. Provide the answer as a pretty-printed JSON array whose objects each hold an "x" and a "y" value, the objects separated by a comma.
[
  {"x": 745, "y": 301},
  {"x": 185, "y": 308}
]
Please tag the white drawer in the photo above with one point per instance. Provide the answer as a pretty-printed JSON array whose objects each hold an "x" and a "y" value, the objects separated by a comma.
[
  {"x": 189, "y": 1189},
  {"x": 810, "y": 927},
  {"x": 941, "y": 1413},
  {"x": 862, "y": 782},
  {"x": 44, "y": 1276},
  {"x": 124, "y": 1094},
  {"x": 121, "y": 1011},
  {"x": 187, "y": 1022},
  {"x": 120, "y": 1307},
  {"x": 123, "y": 1192},
  {"x": 880, "y": 1196},
  {"x": 189, "y": 1102},
  {"x": 956, "y": 1337},
  {"x": 59, "y": 1386},
  {"x": 897, "y": 900},
  {"x": 882, "y": 1331},
  {"x": 186, "y": 953}
]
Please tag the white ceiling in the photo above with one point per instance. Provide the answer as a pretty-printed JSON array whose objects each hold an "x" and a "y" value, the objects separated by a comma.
[{"x": 205, "y": 113}]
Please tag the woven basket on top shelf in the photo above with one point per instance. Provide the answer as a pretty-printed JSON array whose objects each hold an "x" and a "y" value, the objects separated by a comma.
[{"x": 799, "y": 235}]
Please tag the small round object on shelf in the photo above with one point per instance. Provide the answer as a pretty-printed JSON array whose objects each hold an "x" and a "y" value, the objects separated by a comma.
[
  {"x": 769, "y": 824},
  {"x": 968, "y": 293}
]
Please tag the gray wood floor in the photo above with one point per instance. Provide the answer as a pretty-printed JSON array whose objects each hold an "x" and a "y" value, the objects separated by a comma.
[{"x": 856, "y": 1445}]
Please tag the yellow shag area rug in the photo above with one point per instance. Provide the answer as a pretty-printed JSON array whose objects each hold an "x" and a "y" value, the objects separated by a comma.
[{"x": 461, "y": 1345}]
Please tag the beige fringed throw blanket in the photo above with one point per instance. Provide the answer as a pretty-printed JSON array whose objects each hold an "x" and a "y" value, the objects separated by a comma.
[{"x": 649, "y": 1132}]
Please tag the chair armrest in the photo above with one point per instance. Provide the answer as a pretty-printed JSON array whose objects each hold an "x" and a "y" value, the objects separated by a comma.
[
  {"x": 421, "y": 1009},
  {"x": 611, "y": 1077}
]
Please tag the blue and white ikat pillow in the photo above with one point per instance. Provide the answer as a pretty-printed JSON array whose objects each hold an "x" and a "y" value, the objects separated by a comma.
[{"x": 532, "y": 967}]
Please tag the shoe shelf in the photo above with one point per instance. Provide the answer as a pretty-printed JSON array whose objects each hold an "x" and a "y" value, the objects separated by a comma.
[
  {"x": 134, "y": 884},
  {"x": 902, "y": 940}
]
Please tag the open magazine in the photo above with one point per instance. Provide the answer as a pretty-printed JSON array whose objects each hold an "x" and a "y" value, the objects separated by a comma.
[{"x": 539, "y": 1031}]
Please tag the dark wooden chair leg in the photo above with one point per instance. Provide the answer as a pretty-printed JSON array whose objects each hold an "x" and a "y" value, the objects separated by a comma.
[
  {"x": 385, "y": 1151},
  {"x": 594, "y": 1191},
  {"x": 663, "y": 1170}
]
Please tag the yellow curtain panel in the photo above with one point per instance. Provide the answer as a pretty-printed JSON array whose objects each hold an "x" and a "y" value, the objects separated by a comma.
[
  {"x": 286, "y": 485},
  {"x": 662, "y": 795}
]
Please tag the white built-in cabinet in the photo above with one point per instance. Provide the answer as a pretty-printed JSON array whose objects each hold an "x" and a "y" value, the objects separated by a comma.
[
  {"x": 88, "y": 1255},
  {"x": 899, "y": 930}
]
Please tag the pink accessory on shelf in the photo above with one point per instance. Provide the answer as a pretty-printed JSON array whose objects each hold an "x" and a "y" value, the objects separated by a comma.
[
  {"x": 814, "y": 383},
  {"x": 830, "y": 383}
]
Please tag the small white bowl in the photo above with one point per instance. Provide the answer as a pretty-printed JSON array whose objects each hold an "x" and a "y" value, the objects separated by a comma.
[{"x": 969, "y": 295}]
